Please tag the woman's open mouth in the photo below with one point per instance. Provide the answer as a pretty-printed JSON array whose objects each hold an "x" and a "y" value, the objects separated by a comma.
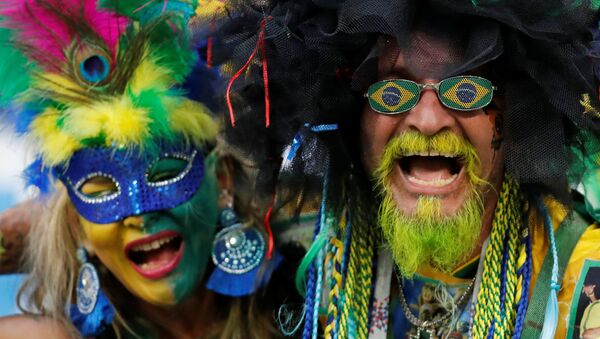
[
  {"x": 157, "y": 255},
  {"x": 432, "y": 172}
]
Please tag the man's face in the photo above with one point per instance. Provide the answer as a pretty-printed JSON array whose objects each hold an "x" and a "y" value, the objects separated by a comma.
[{"x": 427, "y": 185}]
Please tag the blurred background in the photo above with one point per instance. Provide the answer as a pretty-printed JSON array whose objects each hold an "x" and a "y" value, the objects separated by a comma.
[{"x": 13, "y": 159}]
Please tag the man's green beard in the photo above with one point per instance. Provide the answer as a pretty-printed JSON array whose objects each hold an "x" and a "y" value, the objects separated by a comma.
[{"x": 428, "y": 236}]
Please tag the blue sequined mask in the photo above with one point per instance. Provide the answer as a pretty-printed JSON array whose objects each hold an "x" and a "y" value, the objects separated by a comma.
[{"x": 134, "y": 192}]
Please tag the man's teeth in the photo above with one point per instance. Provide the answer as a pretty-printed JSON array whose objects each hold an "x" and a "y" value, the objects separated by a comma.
[
  {"x": 156, "y": 244},
  {"x": 433, "y": 183},
  {"x": 430, "y": 154}
]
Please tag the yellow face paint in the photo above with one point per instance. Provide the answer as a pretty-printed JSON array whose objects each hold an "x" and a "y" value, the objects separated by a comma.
[{"x": 161, "y": 256}]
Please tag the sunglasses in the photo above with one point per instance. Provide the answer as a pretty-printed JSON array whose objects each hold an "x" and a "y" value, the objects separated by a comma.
[{"x": 461, "y": 93}]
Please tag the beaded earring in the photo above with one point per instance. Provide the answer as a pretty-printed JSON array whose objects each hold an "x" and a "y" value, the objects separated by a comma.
[
  {"x": 238, "y": 252},
  {"x": 92, "y": 313}
]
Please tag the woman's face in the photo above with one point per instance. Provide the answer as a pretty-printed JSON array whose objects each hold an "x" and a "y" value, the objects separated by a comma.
[{"x": 159, "y": 256}]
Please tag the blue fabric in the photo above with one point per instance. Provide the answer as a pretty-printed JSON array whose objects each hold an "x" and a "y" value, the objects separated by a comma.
[
  {"x": 37, "y": 175},
  {"x": 128, "y": 168},
  {"x": 10, "y": 285},
  {"x": 238, "y": 285},
  {"x": 95, "y": 323}
]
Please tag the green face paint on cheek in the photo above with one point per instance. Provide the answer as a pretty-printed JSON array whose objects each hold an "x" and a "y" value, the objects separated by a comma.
[{"x": 198, "y": 219}]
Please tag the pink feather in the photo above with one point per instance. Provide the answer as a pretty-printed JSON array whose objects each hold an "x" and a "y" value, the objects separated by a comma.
[{"x": 47, "y": 28}]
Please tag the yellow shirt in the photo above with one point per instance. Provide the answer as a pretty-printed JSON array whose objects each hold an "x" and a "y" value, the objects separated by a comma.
[
  {"x": 591, "y": 318},
  {"x": 588, "y": 247}
]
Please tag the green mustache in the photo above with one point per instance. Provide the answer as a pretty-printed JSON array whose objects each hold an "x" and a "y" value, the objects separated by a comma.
[
  {"x": 413, "y": 142},
  {"x": 428, "y": 236}
]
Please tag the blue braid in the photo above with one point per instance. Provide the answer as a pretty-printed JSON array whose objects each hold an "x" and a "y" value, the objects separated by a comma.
[
  {"x": 310, "y": 289},
  {"x": 317, "y": 296},
  {"x": 551, "y": 314},
  {"x": 313, "y": 282},
  {"x": 525, "y": 273}
]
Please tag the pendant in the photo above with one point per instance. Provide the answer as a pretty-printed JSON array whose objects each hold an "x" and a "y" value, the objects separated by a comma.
[{"x": 424, "y": 333}]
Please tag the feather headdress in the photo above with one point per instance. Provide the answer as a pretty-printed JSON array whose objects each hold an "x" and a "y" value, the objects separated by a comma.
[{"x": 78, "y": 73}]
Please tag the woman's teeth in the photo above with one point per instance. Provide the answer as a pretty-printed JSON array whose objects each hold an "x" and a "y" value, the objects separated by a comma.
[{"x": 156, "y": 244}]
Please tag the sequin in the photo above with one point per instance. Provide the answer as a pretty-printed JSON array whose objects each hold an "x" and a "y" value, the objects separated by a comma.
[{"x": 128, "y": 170}]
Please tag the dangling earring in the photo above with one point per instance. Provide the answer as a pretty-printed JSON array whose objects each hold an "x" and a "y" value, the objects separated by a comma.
[
  {"x": 92, "y": 313},
  {"x": 237, "y": 253}
]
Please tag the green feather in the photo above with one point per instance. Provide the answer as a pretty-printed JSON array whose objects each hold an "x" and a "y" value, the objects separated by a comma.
[
  {"x": 152, "y": 100},
  {"x": 15, "y": 69},
  {"x": 172, "y": 51},
  {"x": 148, "y": 10}
]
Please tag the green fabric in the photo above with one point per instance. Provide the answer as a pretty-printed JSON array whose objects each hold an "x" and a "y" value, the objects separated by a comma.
[{"x": 567, "y": 236}]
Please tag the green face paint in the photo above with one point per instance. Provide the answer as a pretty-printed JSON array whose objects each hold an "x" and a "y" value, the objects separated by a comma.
[
  {"x": 428, "y": 236},
  {"x": 196, "y": 221}
]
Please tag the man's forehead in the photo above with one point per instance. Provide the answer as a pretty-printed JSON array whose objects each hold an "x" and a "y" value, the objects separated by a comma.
[{"x": 422, "y": 56}]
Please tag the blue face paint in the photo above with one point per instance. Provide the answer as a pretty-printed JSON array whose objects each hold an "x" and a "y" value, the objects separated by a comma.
[{"x": 135, "y": 192}]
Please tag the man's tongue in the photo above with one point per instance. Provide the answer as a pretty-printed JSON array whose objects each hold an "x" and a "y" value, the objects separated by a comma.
[{"x": 429, "y": 168}]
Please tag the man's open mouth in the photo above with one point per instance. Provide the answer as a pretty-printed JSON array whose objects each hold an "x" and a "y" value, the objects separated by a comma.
[
  {"x": 157, "y": 255},
  {"x": 431, "y": 169}
]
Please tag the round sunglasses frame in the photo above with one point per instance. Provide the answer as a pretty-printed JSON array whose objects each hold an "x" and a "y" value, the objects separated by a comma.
[{"x": 436, "y": 87}]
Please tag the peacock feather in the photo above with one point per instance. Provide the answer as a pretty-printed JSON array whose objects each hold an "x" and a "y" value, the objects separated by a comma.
[{"x": 99, "y": 73}]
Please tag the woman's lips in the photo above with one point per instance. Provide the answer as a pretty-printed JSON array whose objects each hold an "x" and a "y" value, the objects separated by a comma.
[{"x": 155, "y": 256}]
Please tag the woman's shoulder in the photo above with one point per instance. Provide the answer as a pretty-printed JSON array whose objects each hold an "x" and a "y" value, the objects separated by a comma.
[{"x": 25, "y": 326}]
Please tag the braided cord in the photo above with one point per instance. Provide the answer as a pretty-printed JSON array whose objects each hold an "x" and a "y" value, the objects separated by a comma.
[
  {"x": 347, "y": 297},
  {"x": 318, "y": 291},
  {"x": 525, "y": 273},
  {"x": 356, "y": 299},
  {"x": 495, "y": 311},
  {"x": 310, "y": 291},
  {"x": 365, "y": 282},
  {"x": 335, "y": 258}
]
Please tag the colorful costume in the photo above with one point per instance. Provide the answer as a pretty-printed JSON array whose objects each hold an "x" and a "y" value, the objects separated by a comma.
[
  {"x": 307, "y": 68},
  {"x": 101, "y": 90}
]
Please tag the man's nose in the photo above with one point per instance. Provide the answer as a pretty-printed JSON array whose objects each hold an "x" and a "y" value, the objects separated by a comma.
[{"x": 429, "y": 116}]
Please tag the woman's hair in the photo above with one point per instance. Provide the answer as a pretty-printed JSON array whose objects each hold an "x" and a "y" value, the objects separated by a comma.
[
  {"x": 49, "y": 289},
  {"x": 51, "y": 262}
]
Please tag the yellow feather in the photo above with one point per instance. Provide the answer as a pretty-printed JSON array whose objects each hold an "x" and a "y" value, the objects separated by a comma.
[
  {"x": 56, "y": 83},
  {"x": 56, "y": 146},
  {"x": 125, "y": 123},
  {"x": 210, "y": 8},
  {"x": 192, "y": 119},
  {"x": 86, "y": 121},
  {"x": 149, "y": 75}
]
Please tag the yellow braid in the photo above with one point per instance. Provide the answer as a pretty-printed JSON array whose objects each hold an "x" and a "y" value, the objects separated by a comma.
[
  {"x": 335, "y": 257},
  {"x": 365, "y": 279},
  {"x": 507, "y": 221},
  {"x": 349, "y": 286}
]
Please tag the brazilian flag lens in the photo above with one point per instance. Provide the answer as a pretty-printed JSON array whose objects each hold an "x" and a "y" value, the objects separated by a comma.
[
  {"x": 462, "y": 93},
  {"x": 465, "y": 93},
  {"x": 393, "y": 96}
]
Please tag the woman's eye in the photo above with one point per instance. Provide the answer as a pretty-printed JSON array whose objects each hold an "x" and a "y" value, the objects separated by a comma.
[
  {"x": 98, "y": 186},
  {"x": 166, "y": 169}
]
